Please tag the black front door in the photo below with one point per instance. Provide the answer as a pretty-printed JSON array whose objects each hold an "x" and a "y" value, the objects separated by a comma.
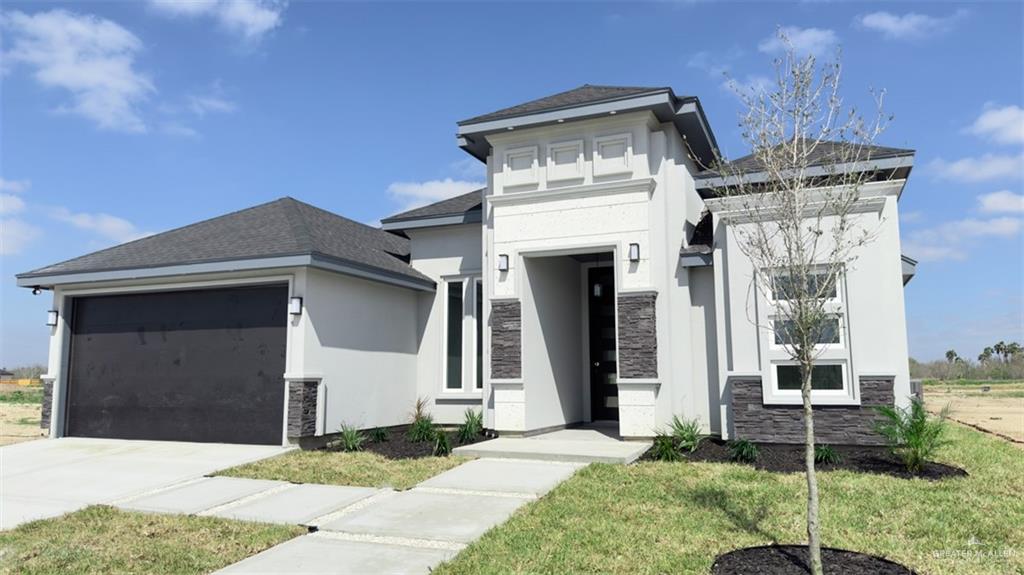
[{"x": 604, "y": 392}]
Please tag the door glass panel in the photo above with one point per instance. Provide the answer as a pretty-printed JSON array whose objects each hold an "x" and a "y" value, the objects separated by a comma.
[
  {"x": 479, "y": 335},
  {"x": 453, "y": 379}
]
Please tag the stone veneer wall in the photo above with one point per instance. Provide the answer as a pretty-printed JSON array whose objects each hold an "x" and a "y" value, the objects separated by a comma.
[
  {"x": 638, "y": 335},
  {"x": 302, "y": 397},
  {"x": 506, "y": 339},
  {"x": 47, "y": 407},
  {"x": 834, "y": 424}
]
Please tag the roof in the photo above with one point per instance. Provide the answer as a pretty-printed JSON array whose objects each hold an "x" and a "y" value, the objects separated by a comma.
[
  {"x": 825, "y": 153},
  {"x": 702, "y": 237},
  {"x": 454, "y": 206},
  {"x": 283, "y": 227},
  {"x": 585, "y": 94}
]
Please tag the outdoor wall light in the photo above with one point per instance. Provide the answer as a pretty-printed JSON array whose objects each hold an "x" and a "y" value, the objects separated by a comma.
[
  {"x": 295, "y": 306},
  {"x": 634, "y": 252},
  {"x": 598, "y": 290},
  {"x": 51, "y": 318},
  {"x": 502, "y": 262}
]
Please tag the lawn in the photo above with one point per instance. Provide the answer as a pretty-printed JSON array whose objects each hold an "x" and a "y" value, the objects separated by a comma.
[
  {"x": 362, "y": 469},
  {"x": 677, "y": 517},
  {"x": 24, "y": 395},
  {"x": 105, "y": 540}
]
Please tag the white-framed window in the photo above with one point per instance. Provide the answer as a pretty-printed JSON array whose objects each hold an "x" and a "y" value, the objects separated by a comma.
[
  {"x": 565, "y": 160},
  {"x": 831, "y": 335},
  {"x": 785, "y": 286},
  {"x": 828, "y": 378},
  {"x": 613, "y": 154},
  {"x": 462, "y": 335},
  {"x": 521, "y": 166}
]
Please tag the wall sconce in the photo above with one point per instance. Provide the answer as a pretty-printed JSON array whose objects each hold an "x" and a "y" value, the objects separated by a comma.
[
  {"x": 634, "y": 252},
  {"x": 502, "y": 262},
  {"x": 51, "y": 318},
  {"x": 598, "y": 290},
  {"x": 295, "y": 306}
]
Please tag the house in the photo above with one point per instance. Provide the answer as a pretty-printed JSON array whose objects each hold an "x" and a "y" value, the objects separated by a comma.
[
  {"x": 595, "y": 278},
  {"x": 6, "y": 375}
]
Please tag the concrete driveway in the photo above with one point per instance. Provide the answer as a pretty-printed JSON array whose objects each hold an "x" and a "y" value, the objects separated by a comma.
[{"x": 46, "y": 478}]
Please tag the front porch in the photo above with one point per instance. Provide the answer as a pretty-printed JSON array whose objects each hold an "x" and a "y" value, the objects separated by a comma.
[{"x": 593, "y": 443}]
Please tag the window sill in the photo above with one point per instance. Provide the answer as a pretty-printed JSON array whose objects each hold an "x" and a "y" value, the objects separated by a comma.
[
  {"x": 459, "y": 396},
  {"x": 815, "y": 400}
]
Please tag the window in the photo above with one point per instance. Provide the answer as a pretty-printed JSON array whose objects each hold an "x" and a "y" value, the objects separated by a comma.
[
  {"x": 479, "y": 299},
  {"x": 453, "y": 364},
  {"x": 786, "y": 287},
  {"x": 824, "y": 377},
  {"x": 830, "y": 333}
]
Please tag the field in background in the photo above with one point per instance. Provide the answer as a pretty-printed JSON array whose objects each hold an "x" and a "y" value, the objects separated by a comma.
[
  {"x": 999, "y": 410},
  {"x": 19, "y": 413}
]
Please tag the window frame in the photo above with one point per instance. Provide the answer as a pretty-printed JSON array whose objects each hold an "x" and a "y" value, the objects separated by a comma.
[
  {"x": 445, "y": 322},
  {"x": 820, "y": 347},
  {"x": 843, "y": 393},
  {"x": 469, "y": 344},
  {"x": 832, "y": 301}
]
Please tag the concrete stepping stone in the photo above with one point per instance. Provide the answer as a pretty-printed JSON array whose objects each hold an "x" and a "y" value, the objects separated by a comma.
[
  {"x": 317, "y": 553},
  {"x": 200, "y": 495},
  {"x": 297, "y": 505},
  {"x": 504, "y": 476},
  {"x": 417, "y": 514}
]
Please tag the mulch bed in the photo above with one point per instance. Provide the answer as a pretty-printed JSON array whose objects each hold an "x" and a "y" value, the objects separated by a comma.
[
  {"x": 398, "y": 445},
  {"x": 786, "y": 458},
  {"x": 792, "y": 560}
]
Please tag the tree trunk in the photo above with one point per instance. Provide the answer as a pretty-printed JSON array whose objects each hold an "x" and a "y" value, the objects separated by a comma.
[{"x": 813, "y": 529}]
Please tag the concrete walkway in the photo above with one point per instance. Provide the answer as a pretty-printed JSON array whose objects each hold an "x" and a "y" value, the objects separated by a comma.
[
  {"x": 361, "y": 530},
  {"x": 594, "y": 444}
]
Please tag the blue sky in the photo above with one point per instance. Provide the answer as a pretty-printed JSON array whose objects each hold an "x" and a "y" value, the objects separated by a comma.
[{"x": 121, "y": 119}]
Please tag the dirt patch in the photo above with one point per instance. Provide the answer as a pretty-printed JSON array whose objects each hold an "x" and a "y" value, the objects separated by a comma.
[
  {"x": 999, "y": 411},
  {"x": 398, "y": 445},
  {"x": 785, "y": 458},
  {"x": 792, "y": 560},
  {"x": 19, "y": 422}
]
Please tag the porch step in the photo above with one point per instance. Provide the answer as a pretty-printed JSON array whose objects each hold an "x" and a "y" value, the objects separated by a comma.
[{"x": 622, "y": 452}]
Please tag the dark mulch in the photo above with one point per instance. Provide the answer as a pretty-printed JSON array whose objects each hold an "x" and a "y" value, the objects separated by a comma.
[
  {"x": 787, "y": 458},
  {"x": 792, "y": 560},
  {"x": 398, "y": 445}
]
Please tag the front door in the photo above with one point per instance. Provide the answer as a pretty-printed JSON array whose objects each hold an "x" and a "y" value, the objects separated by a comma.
[{"x": 604, "y": 391}]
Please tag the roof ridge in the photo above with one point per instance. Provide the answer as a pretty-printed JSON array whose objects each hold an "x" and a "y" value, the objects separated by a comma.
[{"x": 297, "y": 222}]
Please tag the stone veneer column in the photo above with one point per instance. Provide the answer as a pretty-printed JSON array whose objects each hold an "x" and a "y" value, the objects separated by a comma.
[
  {"x": 638, "y": 360},
  {"x": 835, "y": 424},
  {"x": 47, "y": 407},
  {"x": 506, "y": 339},
  {"x": 302, "y": 404}
]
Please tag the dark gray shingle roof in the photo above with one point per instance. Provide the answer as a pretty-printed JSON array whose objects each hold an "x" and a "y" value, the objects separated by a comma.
[
  {"x": 455, "y": 206},
  {"x": 585, "y": 94},
  {"x": 284, "y": 227},
  {"x": 825, "y": 153}
]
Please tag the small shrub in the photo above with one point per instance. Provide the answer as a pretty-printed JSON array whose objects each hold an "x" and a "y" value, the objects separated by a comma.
[
  {"x": 912, "y": 435},
  {"x": 472, "y": 426},
  {"x": 379, "y": 434},
  {"x": 664, "y": 449},
  {"x": 686, "y": 432},
  {"x": 743, "y": 451},
  {"x": 825, "y": 455},
  {"x": 422, "y": 429},
  {"x": 419, "y": 409},
  {"x": 350, "y": 438},
  {"x": 442, "y": 447}
]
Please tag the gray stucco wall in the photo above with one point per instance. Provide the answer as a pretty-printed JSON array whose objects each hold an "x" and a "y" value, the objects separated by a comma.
[
  {"x": 638, "y": 335},
  {"x": 833, "y": 424},
  {"x": 302, "y": 397},
  {"x": 506, "y": 339}
]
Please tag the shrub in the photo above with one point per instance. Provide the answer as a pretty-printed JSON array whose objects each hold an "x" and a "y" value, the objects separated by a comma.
[
  {"x": 350, "y": 438},
  {"x": 912, "y": 435},
  {"x": 379, "y": 434},
  {"x": 686, "y": 432},
  {"x": 442, "y": 447},
  {"x": 422, "y": 429},
  {"x": 419, "y": 409},
  {"x": 472, "y": 426},
  {"x": 743, "y": 451},
  {"x": 664, "y": 449},
  {"x": 824, "y": 454}
]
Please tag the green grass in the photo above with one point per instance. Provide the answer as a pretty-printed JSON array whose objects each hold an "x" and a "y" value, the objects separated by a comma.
[
  {"x": 364, "y": 469},
  {"x": 105, "y": 540},
  {"x": 28, "y": 421},
  {"x": 30, "y": 395},
  {"x": 969, "y": 382},
  {"x": 677, "y": 517}
]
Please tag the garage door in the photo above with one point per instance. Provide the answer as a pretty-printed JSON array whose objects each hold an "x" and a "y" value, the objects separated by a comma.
[{"x": 202, "y": 365}]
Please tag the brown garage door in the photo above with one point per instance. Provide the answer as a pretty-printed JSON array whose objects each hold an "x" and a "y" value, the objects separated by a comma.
[{"x": 202, "y": 365}]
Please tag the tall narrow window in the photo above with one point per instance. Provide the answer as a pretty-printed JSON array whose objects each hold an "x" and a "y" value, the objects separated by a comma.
[
  {"x": 479, "y": 334},
  {"x": 453, "y": 375}
]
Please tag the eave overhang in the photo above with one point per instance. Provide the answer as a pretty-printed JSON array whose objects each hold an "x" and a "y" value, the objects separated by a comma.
[{"x": 397, "y": 225}]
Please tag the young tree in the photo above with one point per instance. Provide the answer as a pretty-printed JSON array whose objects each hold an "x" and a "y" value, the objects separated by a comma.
[{"x": 799, "y": 225}]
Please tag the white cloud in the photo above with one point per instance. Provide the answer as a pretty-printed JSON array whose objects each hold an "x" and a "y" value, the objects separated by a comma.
[
  {"x": 15, "y": 235},
  {"x": 14, "y": 186},
  {"x": 1003, "y": 201},
  {"x": 804, "y": 41},
  {"x": 750, "y": 86},
  {"x": 179, "y": 130},
  {"x": 105, "y": 225},
  {"x": 1004, "y": 125},
  {"x": 10, "y": 204},
  {"x": 250, "y": 19},
  {"x": 980, "y": 169},
  {"x": 909, "y": 25},
  {"x": 415, "y": 194},
  {"x": 952, "y": 240},
  {"x": 212, "y": 100},
  {"x": 92, "y": 58}
]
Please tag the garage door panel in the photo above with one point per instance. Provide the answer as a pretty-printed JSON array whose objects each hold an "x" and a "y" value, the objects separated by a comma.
[{"x": 195, "y": 366}]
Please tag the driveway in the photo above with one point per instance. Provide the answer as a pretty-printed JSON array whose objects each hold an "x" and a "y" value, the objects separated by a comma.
[{"x": 46, "y": 478}]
